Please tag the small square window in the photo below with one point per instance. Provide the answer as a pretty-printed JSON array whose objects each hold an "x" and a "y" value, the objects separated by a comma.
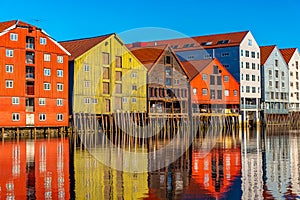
[
  {"x": 60, "y": 87},
  {"x": 94, "y": 100},
  {"x": 235, "y": 93},
  {"x": 247, "y": 53},
  {"x": 9, "y": 68},
  {"x": 249, "y": 42},
  {"x": 14, "y": 37},
  {"x": 43, "y": 41},
  {"x": 226, "y": 78},
  {"x": 15, "y": 100},
  {"x": 42, "y": 101},
  {"x": 226, "y": 93},
  {"x": 204, "y": 77},
  {"x": 47, "y": 57},
  {"x": 59, "y": 117},
  {"x": 60, "y": 73},
  {"x": 46, "y": 86},
  {"x": 194, "y": 91},
  {"x": 47, "y": 72},
  {"x": 15, "y": 117},
  {"x": 133, "y": 75},
  {"x": 86, "y": 68},
  {"x": 204, "y": 91},
  {"x": 42, "y": 117},
  {"x": 87, "y": 100},
  {"x": 87, "y": 84},
  {"x": 124, "y": 99},
  {"x": 59, "y": 102},
  {"x": 9, "y": 83},
  {"x": 60, "y": 59},
  {"x": 133, "y": 100},
  {"x": 9, "y": 53},
  {"x": 134, "y": 87}
]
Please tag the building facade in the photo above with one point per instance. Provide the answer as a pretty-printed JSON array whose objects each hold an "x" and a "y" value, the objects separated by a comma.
[
  {"x": 34, "y": 77},
  {"x": 168, "y": 84},
  {"x": 238, "y": 52},
  {"x": 275, "y": 81},
  {"x": 105, "y": 77},
  {"x": 213, "y": 88},
  {"x": 292, "y": 59}
]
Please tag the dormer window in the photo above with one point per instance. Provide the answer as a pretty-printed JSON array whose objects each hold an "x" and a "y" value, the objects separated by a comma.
[
  {"x": 223, "y": 42},
  {"x": 206, "y": 43}
]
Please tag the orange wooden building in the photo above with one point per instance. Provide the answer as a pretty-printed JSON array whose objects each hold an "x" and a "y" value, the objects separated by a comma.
[
  {"x": 34, "y": 81},
  {"x": 213, "y": 88}
]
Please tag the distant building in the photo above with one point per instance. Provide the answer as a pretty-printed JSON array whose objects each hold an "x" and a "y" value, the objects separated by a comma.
[
  {"x": 237, "y": 51},
  {"x": 105, "y": 77},
  {"x": 34, "y": 80},
  {"x": 275, "y": 81},
  {"x": 292, "y": 58},
  {"x": 213, "y": 88},
  {"x": 168, "y": 89}
]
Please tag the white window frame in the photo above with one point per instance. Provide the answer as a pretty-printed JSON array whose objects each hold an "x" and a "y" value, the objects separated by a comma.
[
  {"x": 87, "y": 84},
  {"x": 86, "y": 68},
  {"x": 226, "y": 78},
  {"x": 43, "y": 41},
  {"x": 195, "y": 90},
  {"x": 94, "y": 101},
  {"x": 124, "y": 100},
  {"x": 47, "y": 72},
  {"x": 15, "y": 100},
  {"x": 9, "y": 53},
  {"x": 42, "y": 101},
  {"x": 15, "y": 117},
  {"x": 9, "y": 84},
  {"x": 42, "y": 117},
  {"x": 59, "y": 102},
  {"x": 235, "y": 93},
  {"x": 60, "y": 73},
  {"x": 9, "y": 68},
  {"x": 13, "y": 36},
  {"x": 87, "y": 100},
  {"x": 133, "y": 100},
  {"x": 204, "y": 93},
  {"x": 60, "y": 117},
  {"x": 60, "y": 87},
  {"x": 60, "y": 59},
  {"x": 226, "y": 93},
  {"x": 47, "y": 57},
  {"x": 46, "y": 86}
]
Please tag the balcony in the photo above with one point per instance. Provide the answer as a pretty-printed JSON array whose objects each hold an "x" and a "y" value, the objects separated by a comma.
[
  {"x": 29, "y": 72},
  {"x": 249, "y": 106},
  {"x": 29, "y": 43},
  {"x": 30, "y": 89},
  {"x": 277, "y": 111},
  {"x": 29, "y": 108},
  {"x": 29, "y": 58}
]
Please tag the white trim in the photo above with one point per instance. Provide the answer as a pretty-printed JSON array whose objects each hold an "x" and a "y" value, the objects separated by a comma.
[
  {"x": 61, "y": 47},
  {"x": 8, "y": 29}
]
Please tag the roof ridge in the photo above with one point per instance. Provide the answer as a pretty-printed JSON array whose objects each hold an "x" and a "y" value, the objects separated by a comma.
[{"x": 87, "y": 38}]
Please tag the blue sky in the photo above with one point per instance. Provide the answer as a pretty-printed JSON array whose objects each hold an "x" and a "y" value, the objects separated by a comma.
[{"x": 271, "y": 22}]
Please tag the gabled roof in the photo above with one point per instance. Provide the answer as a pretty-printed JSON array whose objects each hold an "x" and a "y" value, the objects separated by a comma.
[
  {"x": 148, "y": 56},
  {"x": 265, "y": 52},
  {"x": 6, "y": 25},
  {"x": 78, "y": 47},
  {"x": 207, "y": 41},
  {"x": 194, "y": 67},
  {"x": 287, "y": 54}
]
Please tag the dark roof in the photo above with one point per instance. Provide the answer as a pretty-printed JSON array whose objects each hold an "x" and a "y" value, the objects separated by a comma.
[
  {"x": 208, "y": 41},
  {"x": 194, "y": 67},
  {"x": 265, "y": 52},
  {"x": 80, "y": 46},
  {"x": 148, "y": 55},
  {"x": 287, "y": 54},
  {"x": 8, "y": 24}
]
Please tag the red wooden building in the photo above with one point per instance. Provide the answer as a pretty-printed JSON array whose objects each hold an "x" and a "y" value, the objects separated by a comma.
[
  {"x": 213, "y": 88},
  {"x": 33, "y": 77}
]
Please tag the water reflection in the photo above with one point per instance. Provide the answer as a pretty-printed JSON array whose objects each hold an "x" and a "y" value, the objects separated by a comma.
[{"x": 220, "y": 164}]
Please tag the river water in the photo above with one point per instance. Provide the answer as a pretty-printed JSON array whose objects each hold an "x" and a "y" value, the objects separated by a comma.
[{"x": 232, "y": 164}]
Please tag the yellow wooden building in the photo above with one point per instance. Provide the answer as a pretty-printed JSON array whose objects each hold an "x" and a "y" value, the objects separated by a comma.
[{"x": 105, "y": 77}]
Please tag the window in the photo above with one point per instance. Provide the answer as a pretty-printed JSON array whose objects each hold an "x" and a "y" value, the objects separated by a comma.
[
  {"x": 277, "y": 95},
  {"x": 247, "y": 77},
  {"x": 168, "y": 81},
  {"x": 118, "y": 76},
  {"x": 94, "y": 101},
  {"x": 15, "y": 117},
  {"x": 9, "y": 83},
  {"x": 168, "y": 59},
  {"x": 258, "y": 78},
  {"x": 225, "y": 54},
  {"x": 134, "y": 87},
  {"x": 282, "y": 73},
  {"x": 124, "y": 99},
  {"x": 292, "y": 84},
  {"x": 242, "y": 52},
  {"x": 86, "y": 68},
  {"x": 272, "y": 95},
  {"x": 270, "y": 72},
  {"x": 257, "y": 66},
  {"x": 105, "y": 88},
  {"x": 42, "y": 101},
  {"x": 276, "y": 84},
  {"x": 249, "y": 42},
  {"x": 276, "y": 73},
  {"x": 194, "y": 91},
  {"x": 235, "y": 92},
  {"x": 242, "y": 88},
  {"x": 212, "y": 94},
  {"x": 118, "y": 88},
  {"x": 247, "y": 54},
  {"x": 282, "y": 84},
  {"x": 42, "y": 117},
  {"x": 216, "y": 69},
  {"x": 219, "y": 80},
  {"x": 47, "y": 72},
  {"x": 43, "y": 41},
  {"x": 270, "y": 83},
  {"x": 105, "y": 72},
  {"x": 60, "y": 73},
  {"x": 133, "y": 75},
  {"x": 168, "y": 71},
  {"x": 297, "y": 75},
  {"x": 87, "y": 84},
  {"x": 242, "y": 64},
  {"x": 253, "y": 89},
  {"x": 59, "y": 102},
  {"x": 252, "y": 54},
  {"x": 242, "y": 76},
  {"x": 219, "y": 92},
  {"x": 296, "y": 64},
  {"x": 46, "y": 86},
  {"x": 87, "y": 100},
  {"x": 47, "y": 57},
  {"x": 276, "y": 63},
  {"x": 9, "y": 53},
  {"x": 59, "y": 117},
  {"x": 247, "y": 89},
  {"x": 176, "y": 81},
  {"x": 14, "y": 37},
  {"x": 105, "y": 58},
  {"x": 253, "y": 66},
  {"x": 257, "y": 54},
  {"x": 204, "y": 91},
  {"x": 9, "y": 68},
  {"x": 226, "y": 78},
  {"x": 15, "y": 100},
  {"x": 212, "y": 80},
  {"x": 118, "y": 62},
  {"x": 247, "y": 65},
  {"x": 226, "y": 93},
  {"x": 204, "y": 77},
  {"x": 133, "y": 100},
  {"x": 291, "y": 73},
  {"x": 60, "y": 87},
  {"x": 60, "y": 59},
  {"x": 253, "y": 77}
]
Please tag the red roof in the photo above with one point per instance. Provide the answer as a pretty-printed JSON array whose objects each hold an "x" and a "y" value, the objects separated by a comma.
[
  {"x": 208, "y": 41},
  {"x": 8, "y": 24},
  {"x": 194, "y": 67},
  {"x": 287, "y": 54},
  {"x": 80, "y": 46},
  {"x": 148, "y": 55},
  {"x": 265, "y": 52}
]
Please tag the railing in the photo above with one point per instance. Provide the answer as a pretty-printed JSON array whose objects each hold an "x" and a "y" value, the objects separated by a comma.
[
  {"x": 29, "y": 108},
  {"x": 29, "y": 45},
  {"x": 30, "y": 75},
  {"x": 29, "y": 59},
  {"x": 30, "y": 90},
  {"x": 277, "y": 111},
  {"x": 249, "y": 106}
]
